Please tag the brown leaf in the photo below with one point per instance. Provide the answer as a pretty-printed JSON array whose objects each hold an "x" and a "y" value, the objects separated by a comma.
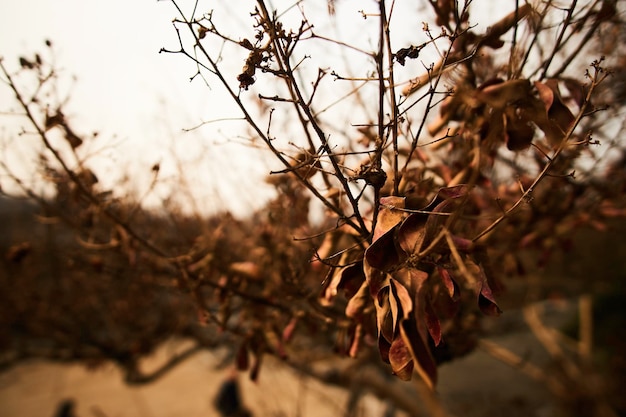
[
  {"x": 247, "y": 269},
  {"x": 358, "y": 303},
  {"x": 376, "y": 278},
  {"x": 450, "y": 203},
  {"x": 349, "y": 279},
  {"x": 424, "y": 362},
  {"x": 519, "y": 131},
  {"x": 382, "y": 253},
  {"x": 404, "y": 299},
  {"x": 388, "y": 216},
  {"x": 385, "y": 313},
  {"x": 17, "y": 252},
  {"x": 502, "y": 94},
  {"x": 559, "y": 115},
  {"x": 411, "y": 233},
  {"x": 256, "y": 366}
]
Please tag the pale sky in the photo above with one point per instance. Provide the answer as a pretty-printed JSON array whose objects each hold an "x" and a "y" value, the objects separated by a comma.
[{"x": 140, "y": 100}]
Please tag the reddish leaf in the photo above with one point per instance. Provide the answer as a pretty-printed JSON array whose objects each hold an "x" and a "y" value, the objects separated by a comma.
[
  {"x": 450, "y": 284},
  {"x": 289, "y": 329},
  {"x": 559, "y": 116},
  {"x": 486, "y": 300},
  {"x": 462, "y": 244},
  {"x": 432, "y": 323},
  {"x": 401, "y": 359},
  {"x": 457, "y": 191}
]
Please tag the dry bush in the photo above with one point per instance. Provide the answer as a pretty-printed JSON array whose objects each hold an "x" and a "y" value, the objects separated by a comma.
[{"x": 435, "y": 176}]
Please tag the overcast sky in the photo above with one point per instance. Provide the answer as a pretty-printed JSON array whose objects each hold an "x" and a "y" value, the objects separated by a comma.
[
  {"x": 141, "y": 100},
  {"x": 136, "y": 98}
]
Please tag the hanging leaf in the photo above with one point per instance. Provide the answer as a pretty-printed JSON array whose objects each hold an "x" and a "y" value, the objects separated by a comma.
[
  {"x": 382, "y": 253},
  {"x": 432, "y": 322},
  {"x": 424, "y": 362},
  {"x": 439, "y": 218},
  {"x": 376, "y": 279},
  {"x": 385, "y": 314},
  {"x": 359, "y": 302},
  {"x": 449, "y": 284},
  {"x": 349, "y": 279},
  {"x": 486, "y": 301},
  {"x": 411, "y": 233},
  {"x": 401, "y": 360},
  {"x": 558, "y": 112},
  {"x": 404, "y": 299},
  {"x": 519, "y": 130},
  {"x": 388, "y": 217}
]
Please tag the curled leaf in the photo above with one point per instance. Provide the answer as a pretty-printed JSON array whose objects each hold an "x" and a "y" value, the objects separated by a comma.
[{"x": 349, "y": 279}]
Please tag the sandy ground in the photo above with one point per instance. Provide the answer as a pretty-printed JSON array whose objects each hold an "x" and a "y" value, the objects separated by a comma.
[{"x": 477, "y": 385}]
